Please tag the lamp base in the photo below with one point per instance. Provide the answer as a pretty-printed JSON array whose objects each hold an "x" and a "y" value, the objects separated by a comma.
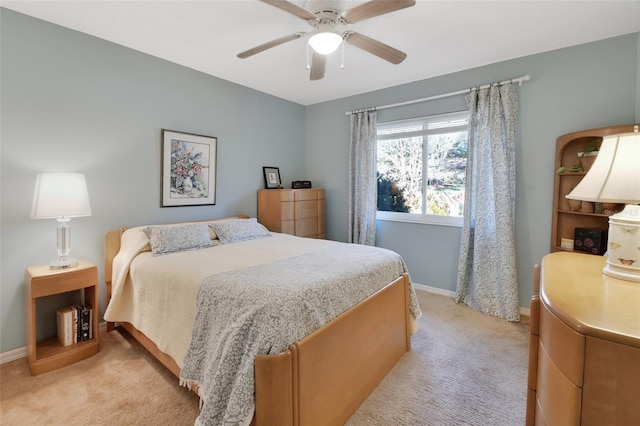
[
  {"x": 615, "y": 272},
  {"x": 63, "y": 263},
  {"x": 623, "y": 254}
]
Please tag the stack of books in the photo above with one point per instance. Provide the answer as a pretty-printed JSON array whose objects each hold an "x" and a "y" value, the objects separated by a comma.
[{"x": 75, "y": 324}]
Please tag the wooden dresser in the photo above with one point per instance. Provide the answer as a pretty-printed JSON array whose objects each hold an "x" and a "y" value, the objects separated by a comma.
[
  {"x": 584, "y": 353},
  {"x": 297, "y": 212}
]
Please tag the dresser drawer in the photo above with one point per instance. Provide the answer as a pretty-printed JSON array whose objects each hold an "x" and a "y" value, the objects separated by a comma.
[
  {"x": 308, "y": 194},
  {"x": 540, "y": 420},
  {"x": 611, "y": 384},
  {"x": 306, "y": 209},
  {"x": 307, "y": 227},
  {"x": 287, "y": 210},
  {"x": 563, "y": 345},
  {"x": 286, "y": 195},
  {"x": 287, "y": 227},
  {"x": 559, "y": 400}
]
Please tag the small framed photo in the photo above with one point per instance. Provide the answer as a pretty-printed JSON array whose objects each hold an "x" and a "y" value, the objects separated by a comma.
[
  {"x": 272, "y": 177},
  {"x": 188, "y": 169}
]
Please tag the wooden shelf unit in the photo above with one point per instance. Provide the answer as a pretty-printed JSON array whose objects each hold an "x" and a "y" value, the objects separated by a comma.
[
  {"x": 565, "y": 221},
  {"x": 41, "y": 281}
]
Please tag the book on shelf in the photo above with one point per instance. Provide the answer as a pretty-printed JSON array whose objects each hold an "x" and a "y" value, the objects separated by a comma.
[
  {"x": 85, "y": 324},
  {"x": 75, "y": 324},
  {"x": 76, "y": 328},
  {"x": 66, "y": 326}
]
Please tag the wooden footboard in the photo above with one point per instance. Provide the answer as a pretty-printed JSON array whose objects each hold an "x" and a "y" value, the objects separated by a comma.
[{"x": 324, "y": 377}]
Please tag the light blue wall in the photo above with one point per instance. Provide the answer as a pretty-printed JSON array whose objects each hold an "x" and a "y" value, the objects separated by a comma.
[
  {"x": 638, "y": 79},
  {"x": 71, "y": 102},
  {"x": 571, "y": 89}
]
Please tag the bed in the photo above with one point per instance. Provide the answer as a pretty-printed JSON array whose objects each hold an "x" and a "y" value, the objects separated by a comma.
[{"x": 290, "y": 355}]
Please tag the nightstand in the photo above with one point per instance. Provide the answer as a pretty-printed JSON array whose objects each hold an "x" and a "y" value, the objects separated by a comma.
[{"x": 41, "y": 281}]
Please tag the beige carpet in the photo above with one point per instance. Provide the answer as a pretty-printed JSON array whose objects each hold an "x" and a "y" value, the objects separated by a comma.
[{"x": 464, "y": 369}]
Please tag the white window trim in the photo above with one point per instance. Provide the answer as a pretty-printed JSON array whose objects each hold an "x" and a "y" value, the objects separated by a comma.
[{"x": 427, "y": 219}]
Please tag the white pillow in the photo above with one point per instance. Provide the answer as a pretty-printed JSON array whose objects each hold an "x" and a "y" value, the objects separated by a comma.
[
  {"x": 171, "y": 239},
  {"x": 232, "y": 230}
]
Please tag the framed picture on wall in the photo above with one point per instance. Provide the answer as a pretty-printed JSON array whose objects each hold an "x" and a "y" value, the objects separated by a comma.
[
  {"x": 271, "y": 177},
  {"x": 188, "y": 169}
]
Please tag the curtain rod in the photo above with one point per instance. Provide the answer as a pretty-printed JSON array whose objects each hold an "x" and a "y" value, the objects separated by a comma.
[{"x": 518, "y": 80}]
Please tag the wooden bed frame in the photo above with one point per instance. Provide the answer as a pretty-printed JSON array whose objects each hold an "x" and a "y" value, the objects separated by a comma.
[{"x": 325, "y": 376}]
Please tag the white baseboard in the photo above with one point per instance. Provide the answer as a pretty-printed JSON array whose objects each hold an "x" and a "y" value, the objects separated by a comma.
[
  {"x": 18, "y": 353},
  {"x": 436, "y": 290},
  {"x": 12, "y": 355},
  {"x": 522, "y": 310}
]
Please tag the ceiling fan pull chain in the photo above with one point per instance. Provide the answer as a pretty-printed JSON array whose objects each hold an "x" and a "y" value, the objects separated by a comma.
[
  {"x": 308, "y": 66},
  {"x": 342, "y": 64}
]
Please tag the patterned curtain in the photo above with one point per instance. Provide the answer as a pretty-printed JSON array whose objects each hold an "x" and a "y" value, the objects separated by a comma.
[
  {"x": 487, "y": 279},
  {"x": 363, "y": 189}
]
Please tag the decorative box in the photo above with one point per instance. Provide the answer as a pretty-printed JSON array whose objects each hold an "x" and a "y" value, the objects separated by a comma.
[
  {"x": 566, "y": 243},
  {"x": 590, "y": 240}
]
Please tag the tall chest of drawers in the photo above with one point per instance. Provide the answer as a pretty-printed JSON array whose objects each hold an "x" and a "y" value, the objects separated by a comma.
[
  {"x": 584, "y": 347},
  {"x": 299, "y": 212}
]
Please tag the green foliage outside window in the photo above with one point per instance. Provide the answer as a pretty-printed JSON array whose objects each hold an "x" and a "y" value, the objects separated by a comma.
[{"x": 390, "y": 197}]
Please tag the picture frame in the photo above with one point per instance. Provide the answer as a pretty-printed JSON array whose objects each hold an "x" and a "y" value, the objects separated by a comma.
[
  {"x": 272, "y": 177},
  {"x": 188, "y": 169}
]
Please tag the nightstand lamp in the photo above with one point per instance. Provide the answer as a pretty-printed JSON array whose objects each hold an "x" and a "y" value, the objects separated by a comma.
[
  {"x": 61, "y": 196},
  {"x": 615, "y": 178}
]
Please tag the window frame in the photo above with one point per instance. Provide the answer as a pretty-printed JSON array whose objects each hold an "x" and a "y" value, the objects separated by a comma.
[{"x": 423, "y": 218}]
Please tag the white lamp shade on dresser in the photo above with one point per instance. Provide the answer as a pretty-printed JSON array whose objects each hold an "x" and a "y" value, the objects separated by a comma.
[{"x": 615, "y": 178}]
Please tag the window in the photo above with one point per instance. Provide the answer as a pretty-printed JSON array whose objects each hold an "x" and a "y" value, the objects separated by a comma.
[{"x": 422, "y": 166}]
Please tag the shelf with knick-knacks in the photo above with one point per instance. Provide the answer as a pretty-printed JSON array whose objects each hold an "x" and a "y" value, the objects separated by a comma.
[{"x": 575, "y": 153}]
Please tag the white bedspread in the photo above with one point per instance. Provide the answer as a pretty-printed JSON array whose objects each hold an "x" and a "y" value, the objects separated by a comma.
[{"x": 162, "y": 302}]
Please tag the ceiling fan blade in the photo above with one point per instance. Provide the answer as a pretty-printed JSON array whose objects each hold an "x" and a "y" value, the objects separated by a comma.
[
  {"x": 376, "y": 47},
  {"x": 269, "y": 45},
  {"x": 374, "y": 8},
  {"x": 291, "y": 8},
  {"x": 318, "y": 63}
]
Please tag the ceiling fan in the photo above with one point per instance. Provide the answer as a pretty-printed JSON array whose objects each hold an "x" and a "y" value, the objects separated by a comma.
[{"x": 325, "y": 38}]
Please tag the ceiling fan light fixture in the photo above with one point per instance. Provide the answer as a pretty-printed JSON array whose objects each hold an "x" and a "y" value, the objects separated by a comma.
[{"x": 325, "y": 42}]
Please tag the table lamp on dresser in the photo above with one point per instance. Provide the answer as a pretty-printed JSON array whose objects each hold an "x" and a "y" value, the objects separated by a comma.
[{"x": 615, "y": 178}]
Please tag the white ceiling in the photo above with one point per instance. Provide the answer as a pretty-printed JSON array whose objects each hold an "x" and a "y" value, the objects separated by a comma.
[{"x": 439, "y": 37}]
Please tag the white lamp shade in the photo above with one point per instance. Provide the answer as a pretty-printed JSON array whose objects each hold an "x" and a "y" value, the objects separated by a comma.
[
  {"x": 325, "y": 42},
  {"x": 615, "y": 174},
  {"x": 60, "y": 195}
]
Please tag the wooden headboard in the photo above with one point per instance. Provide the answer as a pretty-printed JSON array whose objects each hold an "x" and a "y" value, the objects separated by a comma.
[{"x": 111, "y": 248}]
